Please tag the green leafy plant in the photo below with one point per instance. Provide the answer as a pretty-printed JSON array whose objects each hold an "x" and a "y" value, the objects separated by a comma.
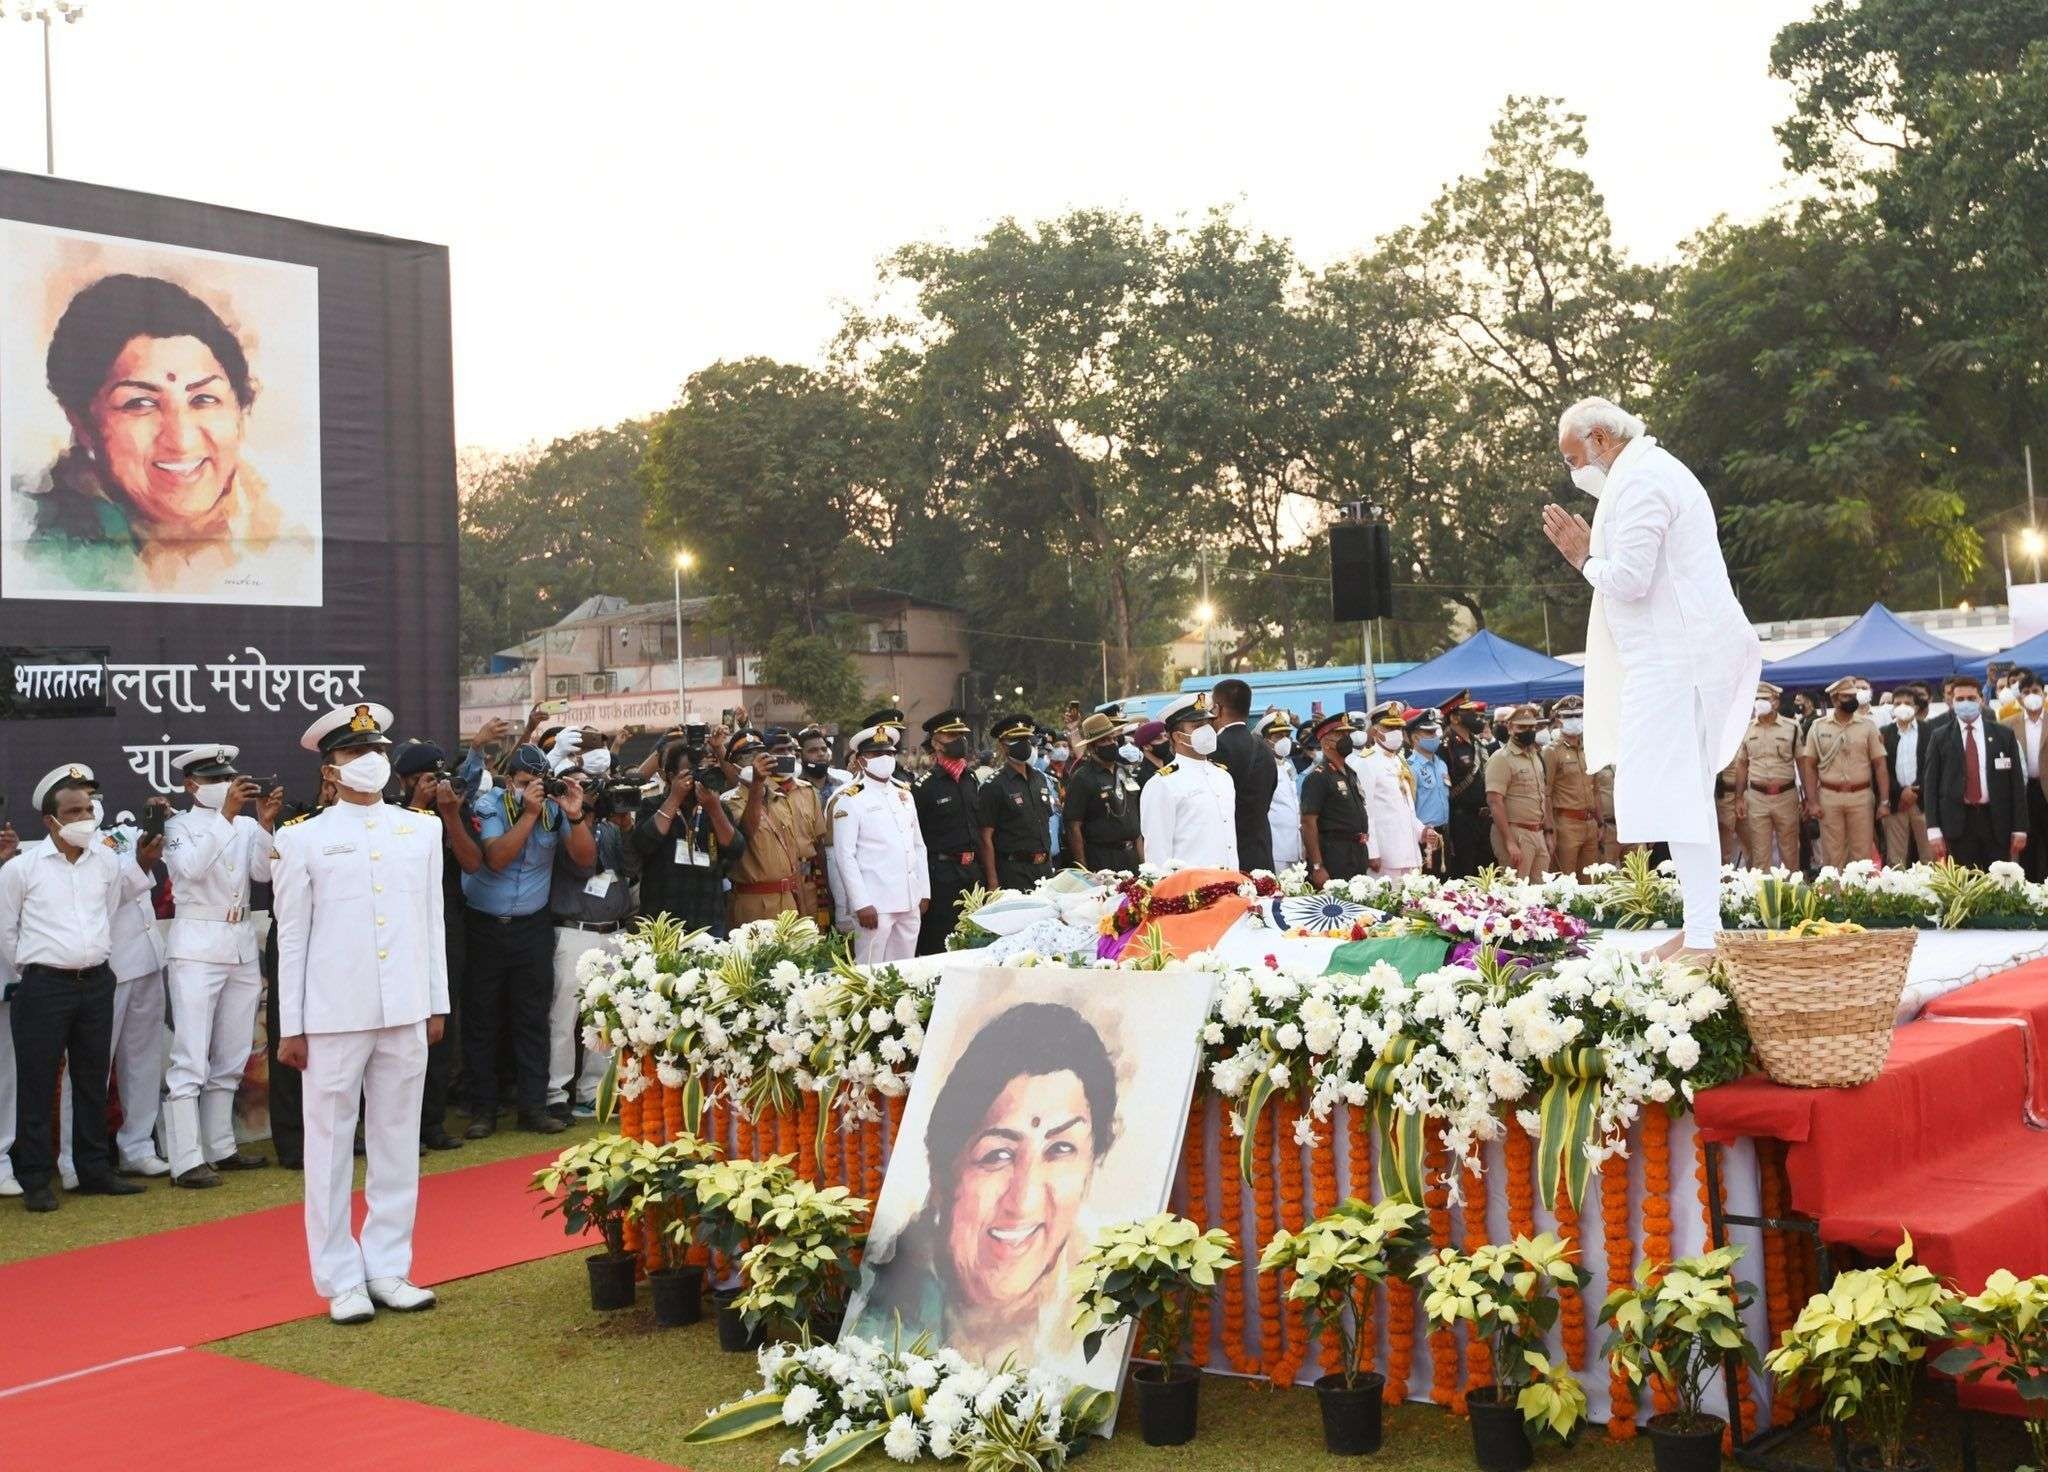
[
  {"x": 1340, "y": 1261},
  {"x": 1860, "y": 1345},
  {"x": 797, "y": 1271},
  {"x": 1148, "y": 1272},
  {"x": 592, "y": 1187},
  {"x": 733, "y": 1196},
  {"x": 2004, "y": 1335},
  {"x": 1960, "y": 894},
  {"x": 663, "y": 1200},
  {"x": 1637, "y": 897},
  {"x": 1507, "y": 1293},
  {"x": 966, "y": 935},
  {"x": 1678, "y": 1324}
]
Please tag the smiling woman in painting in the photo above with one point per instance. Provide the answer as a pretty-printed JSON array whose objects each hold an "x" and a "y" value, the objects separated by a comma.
[{"x": 152, "y": 497}]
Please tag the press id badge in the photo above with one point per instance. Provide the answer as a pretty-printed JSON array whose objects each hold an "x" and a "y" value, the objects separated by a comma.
[
  {"x": 599, "y": 885},
  {"x": 690, "y": 856}
]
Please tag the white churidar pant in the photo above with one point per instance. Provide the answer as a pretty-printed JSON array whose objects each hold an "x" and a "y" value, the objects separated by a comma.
[{"x": 387, "y": 1068}]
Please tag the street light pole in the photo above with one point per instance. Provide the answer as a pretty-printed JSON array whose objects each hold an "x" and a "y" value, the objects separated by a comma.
[
  {"x": 682, "y": 561},
  {"x": 70, "y": 12}
]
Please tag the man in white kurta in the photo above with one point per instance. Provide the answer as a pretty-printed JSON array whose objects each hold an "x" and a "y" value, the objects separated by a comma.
[
  {"x": 1672, "y": 663},
  {"x": 877, "y": 849},
  {"x": 212, "y": 851},
  {"x": 362, "y": 977}
]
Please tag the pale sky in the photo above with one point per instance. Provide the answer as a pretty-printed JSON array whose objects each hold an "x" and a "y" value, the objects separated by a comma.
[{"x": 634, "y": 189}]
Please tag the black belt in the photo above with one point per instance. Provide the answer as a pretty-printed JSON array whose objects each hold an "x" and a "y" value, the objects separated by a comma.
[
  {"x": 1351, "y": 838},
  {"x": 510, "y": 919},
  {"x": 87, "y": 973},
  {"x": 596, "y": 927},
  {"x": 1027, "y": 856}
]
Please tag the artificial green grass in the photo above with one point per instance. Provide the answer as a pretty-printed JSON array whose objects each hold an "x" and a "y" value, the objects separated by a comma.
[
  {"x": 523, "y": 1346},
  {"x": 83, "y": 1221}
]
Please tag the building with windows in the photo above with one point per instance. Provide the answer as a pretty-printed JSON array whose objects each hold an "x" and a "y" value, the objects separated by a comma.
[{"x": 615, "y": 664}]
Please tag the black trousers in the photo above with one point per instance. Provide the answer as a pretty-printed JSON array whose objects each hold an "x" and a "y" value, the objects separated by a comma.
[
  {"x": 1021, "y": 873},
  {"x": 1124, "y": 856},
  {"x": 508, "y": 978},
  {"x": 2036, "y": 855},
  {"x": 1975, "y": 845},
  {"x": 950, "y": 879},
  {"x": 56, "y": 1016},
  {"x": 1471, "y": 843},
  {"x": 1345, "y": 858},
  {"x": 442, "y": 1056},
  {"x": 287, "y": 1085}
]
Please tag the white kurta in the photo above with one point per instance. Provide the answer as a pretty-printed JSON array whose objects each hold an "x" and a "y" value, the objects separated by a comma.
[
  {"x": 1283, "y": 816},
  {"x": 1393, "y": 834},
  {"x": 1672, "y": 663}
]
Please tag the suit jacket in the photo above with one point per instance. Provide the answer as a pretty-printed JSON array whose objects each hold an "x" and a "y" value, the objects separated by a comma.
[
  {"x": 2018, "y": 726},
  {"x": 1889, "y": 734},
  {"x": 1253, "y": 774},
  {"x": 1942, "y": 780}
]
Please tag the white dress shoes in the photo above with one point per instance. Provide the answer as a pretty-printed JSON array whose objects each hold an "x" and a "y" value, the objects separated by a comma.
[
  {"x": 9, "y": 1186},
  {"x": 146, "y": 1165},
  {"x": 352, "y": 1307},
  {"x": 399, "y": 1294}
]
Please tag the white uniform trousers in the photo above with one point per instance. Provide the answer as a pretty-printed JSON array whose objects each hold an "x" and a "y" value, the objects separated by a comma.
[
  {"x": 894, "y": 938},
  {"x": 386, "y": 1068},
  {"x": 138, "y": 1049},
  {"x": 213, "y": 1025},
  {"x": 563, "y": 1018},
  {"x": 6, "y": 1092}
]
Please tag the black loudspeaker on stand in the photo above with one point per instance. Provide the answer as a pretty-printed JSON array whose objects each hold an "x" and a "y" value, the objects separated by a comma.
[{"x": 1361, "y": 571}]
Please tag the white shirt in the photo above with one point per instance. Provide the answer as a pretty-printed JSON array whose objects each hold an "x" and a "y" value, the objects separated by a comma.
[
  {"x": 211, "y": 860},
  {"x": 1975, "y": 730},
  {"x": 139, "y": 944},
  {"x": 59, "y": 912},
  {"x": 2030, "y": 744},
  {"x": 1188, "y": 816},
  {"x": 1672, "y": 663},
  {"x": 878, "y": 848},
  {"x": 360, "y": 943},
  {"x": 1284, "y": 817},
  {"x": 1906, "y": 764}
]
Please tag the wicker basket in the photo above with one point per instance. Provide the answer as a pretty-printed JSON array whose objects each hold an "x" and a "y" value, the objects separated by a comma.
[{"x": 1820, "y": 1009}]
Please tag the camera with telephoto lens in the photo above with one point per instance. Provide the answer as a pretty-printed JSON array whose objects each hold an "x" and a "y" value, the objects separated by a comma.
[
  {"x": 442, "y": 772},
  {"x": 621, "y": 796}
]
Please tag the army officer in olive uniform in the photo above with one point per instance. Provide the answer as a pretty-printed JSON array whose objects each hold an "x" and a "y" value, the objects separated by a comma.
[
  {"x": 1332, "y": 808},
  {"x": 1015, "y": 812},
  {"x": 948, "y": 802},
  {"x": 1101, "y": 809}
]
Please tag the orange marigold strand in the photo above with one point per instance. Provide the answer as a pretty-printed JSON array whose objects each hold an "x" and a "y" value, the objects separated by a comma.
[
  {"x": 807, "y": 1163},
  {"x": 1361, "y": 1187},
  {"x": 1278, "y": 1207},
  {"x": 1657, "y": 1213},
  {"x": 1294, "y": 1181},
  {"x": 1478, "y": 1357},
  {"x": 1745, "y": 1392},
  {"x": 1236, "y": 1282},
  {"x": 1619, "y": 1241},
  {"x": 1400, "y": 1340},
  {"x": 1194, "y": 1164},
  {"x": 1780, "y": 1308},
  {"x": 1520, "y": 1154},
  {"x": 1436, "y": 1195},
  {"x": 1266, "y": 1209},
  {"x": 1324, "y": 1163},
  {"x": 1572, "y": 1316}
]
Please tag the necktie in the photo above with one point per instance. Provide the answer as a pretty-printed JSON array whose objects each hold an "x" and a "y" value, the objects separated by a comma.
[{"x": 1973, "y": 784}]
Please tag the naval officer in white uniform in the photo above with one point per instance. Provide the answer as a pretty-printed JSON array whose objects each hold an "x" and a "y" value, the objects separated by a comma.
[
  {"x": 362, "y": 978},
  {"x": 1187, "y": 813},
  {"x": 877, "y": 850},
  {"x": 212, "y": 852}
]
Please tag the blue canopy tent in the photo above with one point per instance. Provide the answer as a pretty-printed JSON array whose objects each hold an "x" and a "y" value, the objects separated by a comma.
[
  {"x": 1879, "y": 646},
  {"x": 2029, "y": 655},
  {"x": 1491, "y": 667},
  {"x": 1571, "y": 680}
]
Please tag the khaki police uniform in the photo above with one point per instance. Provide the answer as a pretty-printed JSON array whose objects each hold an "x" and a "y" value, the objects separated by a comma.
[
  {"x": 1610, "y": 836},
  {"x": 1727, "y": 792},
  {"x": 1842, "y": 753},
  {"x": 1768, "y": 766},
  {"x": 1574, "y": 805},
  {"x": 1516, "y": 773},
  {"x": 769, "y": 877}
]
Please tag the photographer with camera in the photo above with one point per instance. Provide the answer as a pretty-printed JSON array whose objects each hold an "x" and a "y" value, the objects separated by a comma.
[
  {"x": 509, "y": 938},
  {"x": 686, "y": 841},
  {"x": 592, "y": 902},
  {"x": 424, "y": 785}
]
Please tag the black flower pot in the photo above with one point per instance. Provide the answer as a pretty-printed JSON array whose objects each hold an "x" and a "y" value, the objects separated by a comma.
[
  {"x": 1697, "y": 1450},
  {"x": 1351, "y": 1414},
  {"x": 678, "y": 1295},
  {"x": 611, "y": 1280},
  {"x": 1167, "y": 1404},
  {"x": 1870, "y": 1459},
  {"x": 1500, "y": 1437},
  {"x": 733, "y": 1334}
]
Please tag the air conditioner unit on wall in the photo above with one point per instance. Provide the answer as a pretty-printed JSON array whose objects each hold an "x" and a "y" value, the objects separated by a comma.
[
  {"x": 564, "y": 685},
  {"x": 598, "y": 684}
]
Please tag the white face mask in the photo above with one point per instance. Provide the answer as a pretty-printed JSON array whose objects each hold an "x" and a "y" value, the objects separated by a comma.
[
  {"x": 1590, "y": 478},
  {"x": 1358, "y": 740},
  {"x": 1391, "y": 740},
  {"x": 1284, "y": 747},
  {"x": 1573, "y": 725},
  {"x": 1544, "y": 735},
  {"x": 367, "y": 773},
  {"x": 1765, "y": 707},
  {"x": 598, "y": 762},
  {"x": 1130, "y": 754},
  {"x": 210, "y": 795},
  {"x": 79, "y": 834},
  {"x": 1902, "y": 713},
  {"x": 1202, "y": 740},
  {"x": 1862, "y": 696},
  {"x": 881, "y": 767},
  {"x": 1060, "y": 753},
  {"x": 2032, "y": 702}
]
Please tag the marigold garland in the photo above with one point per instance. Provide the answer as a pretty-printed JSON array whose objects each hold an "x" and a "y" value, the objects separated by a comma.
[
  {"x": 1657, "y": 1214},
  {"x": 630, "y": 1126},
  {"x": 1780, "y": 1307},
  {"x": 786, "y": 1134},
  {"x": 1520, "y": 1152},
  {"x": 807, "y": 1163},
  {"x": 1360, "y": 1175},
  {"x": 1400, "y": 1340},
  {"x": 671, "y": 1112},
  {"x": 1194, "y": 1163},
  {"x": 1572, "y": 1302},
  {"x": 1266, "y": 1192},
  {"x": 1296, "y": 1210},
  {"x": 1478, "y": 1355},
  {"x": 1323, "y": 1167},
  {"x": 1436, "y": 1195},
  {"x": 1619, "y": 1241},
  {"x": 1745, "y": 1391},
  {"x": 1236, "y": 1281}
]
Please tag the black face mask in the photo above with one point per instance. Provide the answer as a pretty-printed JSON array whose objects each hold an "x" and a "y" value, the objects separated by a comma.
[
  {"x": 1162, "y": 749},
  {"x": 1474, "y": 724},
  {"x": 816, "y": 770},
  {"x": 1019, "y": 751},
  {"x": 1525, "y": 738},
  {"x": 954, "y": 749},
  {"x": 1846, "y": 704}
]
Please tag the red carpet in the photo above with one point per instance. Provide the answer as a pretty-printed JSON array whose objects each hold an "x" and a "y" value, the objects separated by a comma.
[
  {"x": 195, "y": 1410},
  {"x": 76, "y": 1310}
]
